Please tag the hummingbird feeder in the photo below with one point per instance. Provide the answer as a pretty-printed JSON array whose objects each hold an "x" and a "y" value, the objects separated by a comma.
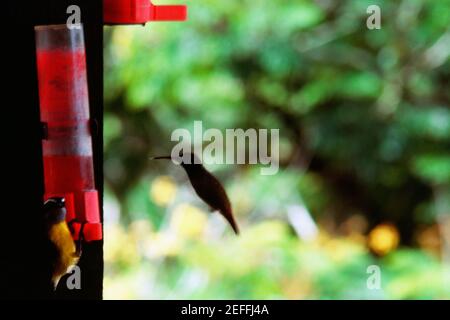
[
  {"x": 67, "y": 142},
  {"x": 64, "y": 110}
]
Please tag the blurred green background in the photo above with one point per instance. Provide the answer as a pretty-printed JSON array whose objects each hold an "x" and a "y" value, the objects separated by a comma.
[{"x": 364, "y": 174}]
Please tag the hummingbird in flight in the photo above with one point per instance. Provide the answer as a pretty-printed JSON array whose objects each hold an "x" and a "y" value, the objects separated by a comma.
[{"x": 207, "y": 187}]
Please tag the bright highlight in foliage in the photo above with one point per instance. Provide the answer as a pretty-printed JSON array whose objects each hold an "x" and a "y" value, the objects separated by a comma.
[
  {"x": 163, "y": 190},
  {"x": 383, "y": 239},
  {"x": 188, "y": 221}
]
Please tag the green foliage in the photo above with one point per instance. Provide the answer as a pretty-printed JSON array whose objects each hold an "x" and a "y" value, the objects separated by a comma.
[{"x": 364, "y": 126}]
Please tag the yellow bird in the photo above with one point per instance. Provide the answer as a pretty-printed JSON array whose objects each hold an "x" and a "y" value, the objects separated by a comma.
[{"x": 65, "y": 253}]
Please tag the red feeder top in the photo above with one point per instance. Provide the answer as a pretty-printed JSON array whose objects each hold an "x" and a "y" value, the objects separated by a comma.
[{"x": 140, "y": 12}]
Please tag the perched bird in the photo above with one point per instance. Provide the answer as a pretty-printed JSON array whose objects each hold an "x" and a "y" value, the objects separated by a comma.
[
  {"x": 64, "y": 253},
  {"x": 207, "y": 187}
]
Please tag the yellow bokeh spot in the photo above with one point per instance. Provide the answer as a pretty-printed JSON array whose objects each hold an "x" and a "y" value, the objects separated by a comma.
[
  {"x": 163, "y": 190},
  {"x": 383, "y": 239},
  {"x": 122, "y": 39},
  {"x": 140, "y": 229},
  {"x": 119, "y": 247},
  {"x": 163, "y": 245},
  {"x": 188, "y": 221}
]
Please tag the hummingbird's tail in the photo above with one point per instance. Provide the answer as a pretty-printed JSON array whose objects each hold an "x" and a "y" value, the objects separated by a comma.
[
  {"x": 234, "y": 226},
  {"x": 230, "y": 218}
]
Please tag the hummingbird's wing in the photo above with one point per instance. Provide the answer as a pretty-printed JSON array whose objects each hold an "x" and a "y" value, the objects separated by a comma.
[{"x": 211, "y": 191}]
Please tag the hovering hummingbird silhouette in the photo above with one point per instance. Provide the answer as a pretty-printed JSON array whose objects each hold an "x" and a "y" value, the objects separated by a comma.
[{"x": 207, "y": 187}]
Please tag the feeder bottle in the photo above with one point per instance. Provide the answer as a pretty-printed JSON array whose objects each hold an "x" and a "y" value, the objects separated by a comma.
[{"x": 64, "y": 111}]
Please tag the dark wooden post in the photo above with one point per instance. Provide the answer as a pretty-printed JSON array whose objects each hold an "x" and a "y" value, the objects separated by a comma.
[{"x": 23, "y": 266}]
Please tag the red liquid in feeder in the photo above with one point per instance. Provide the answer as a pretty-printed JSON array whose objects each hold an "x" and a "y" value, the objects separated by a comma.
[
  {"x": 67, "y": 151},
  {"x": 62, "y": 83}
]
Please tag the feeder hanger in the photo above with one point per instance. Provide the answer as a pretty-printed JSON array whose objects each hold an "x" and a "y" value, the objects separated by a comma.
[{"x": 140, "y": 12}]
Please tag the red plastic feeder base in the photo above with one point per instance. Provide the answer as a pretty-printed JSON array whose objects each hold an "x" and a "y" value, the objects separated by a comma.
[{"x": 89, "y": 224}]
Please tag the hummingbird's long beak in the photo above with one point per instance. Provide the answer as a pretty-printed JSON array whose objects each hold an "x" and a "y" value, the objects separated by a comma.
[{"x": 164, "y": 157}]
